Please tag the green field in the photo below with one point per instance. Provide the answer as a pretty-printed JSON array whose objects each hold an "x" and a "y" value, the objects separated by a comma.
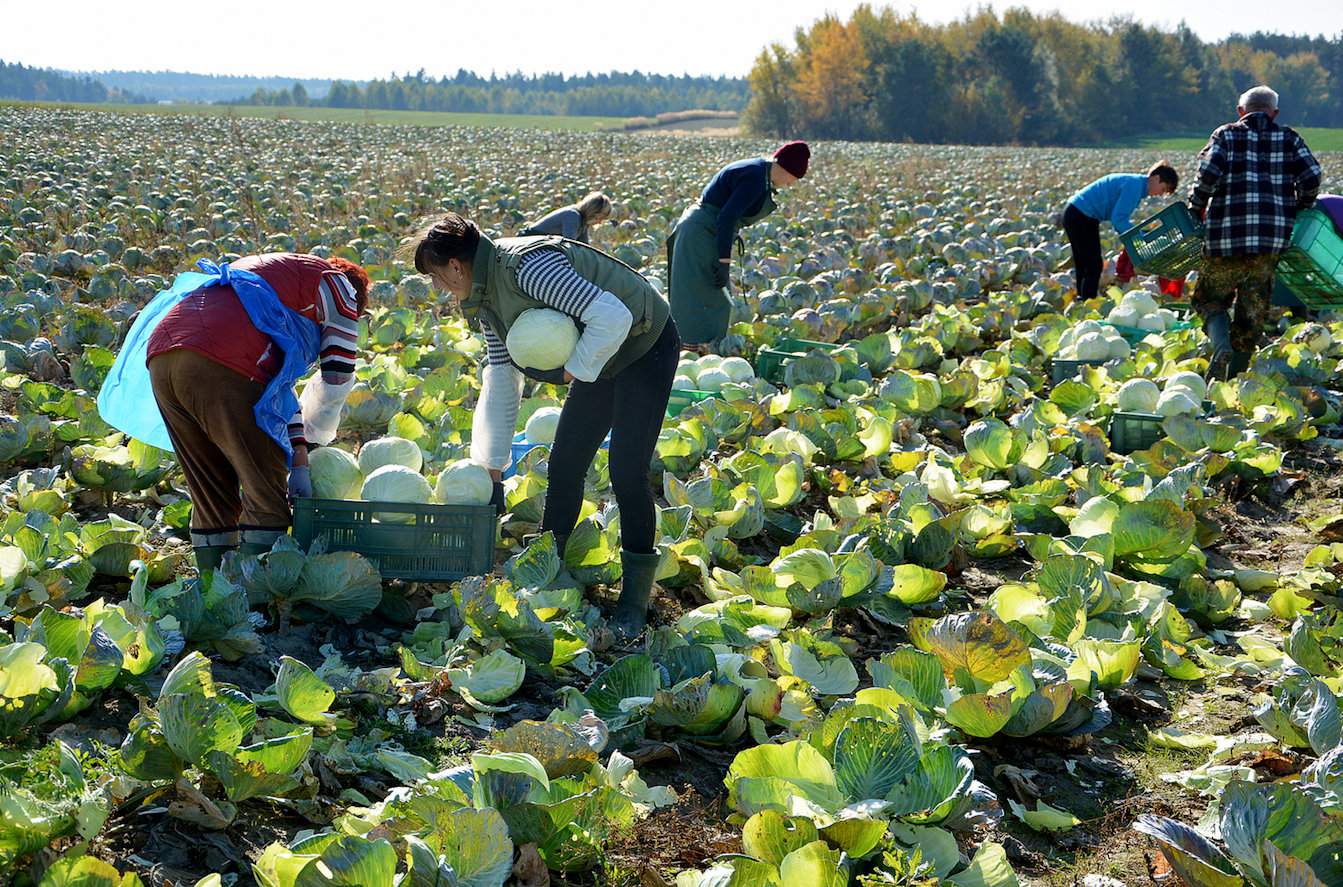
[
  {"x": 354, "y": 115},
  {"x": 1320, "y": 140}
]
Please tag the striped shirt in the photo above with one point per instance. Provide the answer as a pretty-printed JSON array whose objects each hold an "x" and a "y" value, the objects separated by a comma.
[{"x": 549, "y": 277}]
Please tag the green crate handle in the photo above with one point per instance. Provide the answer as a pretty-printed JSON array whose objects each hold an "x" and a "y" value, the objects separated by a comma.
[
  {"x": 682, "y": 399},
  {"x": 1169, "y": 243}
]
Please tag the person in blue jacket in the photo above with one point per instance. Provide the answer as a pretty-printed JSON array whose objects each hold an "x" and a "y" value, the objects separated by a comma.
[{"x": 1113, "y": 198}]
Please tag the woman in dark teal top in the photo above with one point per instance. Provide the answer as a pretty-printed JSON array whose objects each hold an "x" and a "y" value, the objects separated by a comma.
[{"x": 699, "y": 251}]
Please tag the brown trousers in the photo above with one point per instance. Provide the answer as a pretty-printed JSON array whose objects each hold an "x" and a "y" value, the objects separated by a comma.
[{"x": 237, "y": 475}]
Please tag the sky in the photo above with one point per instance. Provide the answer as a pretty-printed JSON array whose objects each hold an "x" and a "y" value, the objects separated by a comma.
[{"x": 359, "y": 39}]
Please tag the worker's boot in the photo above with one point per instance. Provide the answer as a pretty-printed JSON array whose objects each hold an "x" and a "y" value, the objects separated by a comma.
[
  {"x": 210, "y": 557},
  {"x": 636, "y": 587},
  {"x": 258, "y": 542},
  {"x": 1217, "y": 327},
  {"x": 1240, "y": 362},
  {"x": 210, "y": 548}
]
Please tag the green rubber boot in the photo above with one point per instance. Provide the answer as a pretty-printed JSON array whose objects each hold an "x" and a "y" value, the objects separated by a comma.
[
  {"x": 258, "y": 542},
  {"x": 1240, "y": 362},
  {"x": 1217, "y": 327},
  {"x": 636, "y": 586},
  {"x": 210, "y": 557}
]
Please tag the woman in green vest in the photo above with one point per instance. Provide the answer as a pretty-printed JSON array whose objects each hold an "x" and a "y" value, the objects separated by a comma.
[
  {"x": 699, "y": 251},
  {"x": 620, "y": 375}
]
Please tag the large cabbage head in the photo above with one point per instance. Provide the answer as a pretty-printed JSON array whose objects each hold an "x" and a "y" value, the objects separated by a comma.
[
  {"x": 541, "y": 426},
  {"x": 464, "y": 483},
  {"x": 1138, "y": 396},
  {"x": 396, "y": 483},
  {"x": 1193, "y": 381},
  {"x": 542, "y": 339},
  {"x": 390, "y": 451},
  {"x": 335, "y": 474}
]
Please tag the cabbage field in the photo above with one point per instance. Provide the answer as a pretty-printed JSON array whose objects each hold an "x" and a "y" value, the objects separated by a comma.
[{"x": 919, "y": 620}]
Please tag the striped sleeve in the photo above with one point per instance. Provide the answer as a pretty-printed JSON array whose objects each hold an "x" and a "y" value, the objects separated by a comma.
[
  {"x": 338, "y": 322},
  {"x": 296, "y": 434},
  {"x": 547, "y": 276},
  {"x": 496, "y": 352}
]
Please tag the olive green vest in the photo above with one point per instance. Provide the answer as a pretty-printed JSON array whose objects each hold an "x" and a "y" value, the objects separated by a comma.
[{"x": 497, "y": 299}]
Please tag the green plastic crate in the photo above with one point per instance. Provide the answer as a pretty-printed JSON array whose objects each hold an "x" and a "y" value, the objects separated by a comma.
[
  {"x": 1131, "y": 432},
  {"x": 1169, "y": 244},
  {"x": 683, "y": 398},
  {"x": 444, "y": 542},
  {"x": 1133, "y": 335},
  {"x": 1060, "y": 370},
  {"x": 1312, "y": 266},
  {"x": 770, "y": 362}
]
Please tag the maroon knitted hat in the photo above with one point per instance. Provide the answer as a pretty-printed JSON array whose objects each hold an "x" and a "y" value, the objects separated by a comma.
[{"x": 793, "y": 157}]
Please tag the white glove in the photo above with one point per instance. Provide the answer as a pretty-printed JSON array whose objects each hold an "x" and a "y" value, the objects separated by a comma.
[{"x": 321, "y": 404}]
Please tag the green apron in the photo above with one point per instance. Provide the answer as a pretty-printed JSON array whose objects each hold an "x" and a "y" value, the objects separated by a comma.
[{"x": 702, "y": 309}]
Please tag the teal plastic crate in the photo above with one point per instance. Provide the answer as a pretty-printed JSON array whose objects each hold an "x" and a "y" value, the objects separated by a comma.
[
  {"x": 1059, "y": 369},
  {"x": 1312, "y": 267},
  {"x": 1169, "y": 244},
  {"x": 1131, "y": 431},
  {"x": 441, "y": 543},
  {"x": 683, "y": 398},
  {"x": 770, "y": 362},
  {"x": 1133, "y": 335}
]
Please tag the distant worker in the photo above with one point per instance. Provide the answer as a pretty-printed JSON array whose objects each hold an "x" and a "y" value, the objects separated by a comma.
[
  {"x": 572, "y": 221},
  {"x": 208, "y": 370},
  {"x": 1253, "y": 177},
  {"x": 699, "y": 251},
  {"x": 1114, "y": 197}
]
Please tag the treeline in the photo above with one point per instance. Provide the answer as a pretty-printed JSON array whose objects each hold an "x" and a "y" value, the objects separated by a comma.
[
  {"x": 1028, "y": 79},
  {"x": 182, "y": 86},
  {"x": 40, "y": 85},
  {"x": 602, "y": 95}
]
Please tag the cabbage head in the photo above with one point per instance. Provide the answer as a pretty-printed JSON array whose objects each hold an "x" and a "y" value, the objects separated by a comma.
[
  {"x": 396, "y": 483},
  {"x": 464, "y": 483},
  {"x": 1138, "y": 396},
  {"x": 541, "y": 426},
  {"x": 389, "y": 451},
  {"x": 335, "y": 474},
  {"x": 542, "y": 339}
]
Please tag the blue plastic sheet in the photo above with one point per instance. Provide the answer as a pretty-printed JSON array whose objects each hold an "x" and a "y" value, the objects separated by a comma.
[
  {"x": 126, "y": 401},
  {"x": 521, "y": 447}
]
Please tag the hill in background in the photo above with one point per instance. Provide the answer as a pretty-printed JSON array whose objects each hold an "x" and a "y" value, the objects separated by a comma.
[{"x": 182, "y": 86}]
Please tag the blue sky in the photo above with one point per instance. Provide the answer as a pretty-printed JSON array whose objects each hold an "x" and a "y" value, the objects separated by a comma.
[{"x": 359, "y": 39}]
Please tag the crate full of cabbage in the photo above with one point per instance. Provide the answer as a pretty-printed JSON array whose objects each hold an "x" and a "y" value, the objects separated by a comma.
[
  {"x": 381, "y": 506},
  {"x": 1144, "y": 407}
]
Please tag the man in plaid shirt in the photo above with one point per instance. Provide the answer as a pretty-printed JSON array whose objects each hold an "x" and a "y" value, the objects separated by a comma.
[{"x": 1253, "y": 177}]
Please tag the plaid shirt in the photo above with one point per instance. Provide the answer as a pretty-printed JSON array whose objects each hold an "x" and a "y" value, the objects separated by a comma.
[{"x": 1253, "y": 176}]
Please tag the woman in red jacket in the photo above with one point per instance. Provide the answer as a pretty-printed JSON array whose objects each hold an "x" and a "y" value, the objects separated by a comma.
[{"x": 211, "y": 366}]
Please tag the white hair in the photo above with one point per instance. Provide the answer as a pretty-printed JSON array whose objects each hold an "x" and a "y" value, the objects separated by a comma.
[{"x": 1259, "y": 98}]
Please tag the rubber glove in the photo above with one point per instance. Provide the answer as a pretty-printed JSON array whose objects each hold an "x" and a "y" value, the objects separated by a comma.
[
  {"x": 300, "y": 482},
  {"x": 720, "y": 273}
]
